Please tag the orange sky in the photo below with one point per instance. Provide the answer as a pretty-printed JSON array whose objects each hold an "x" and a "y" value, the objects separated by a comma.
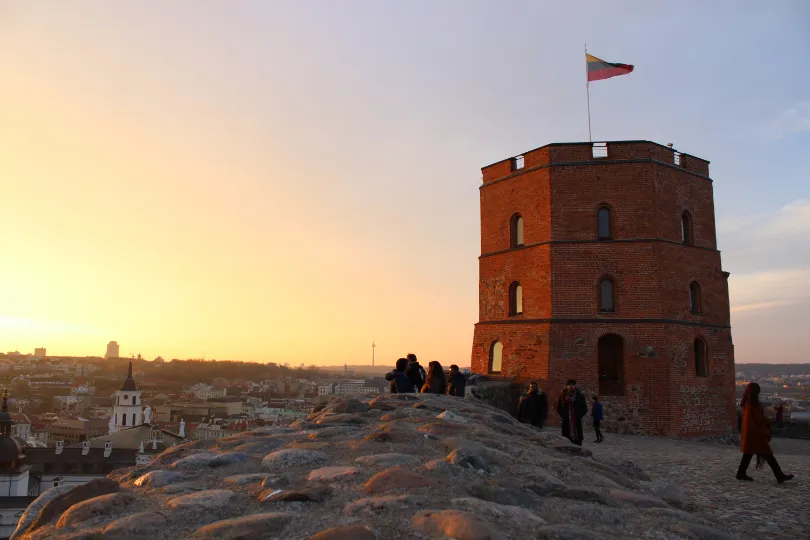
[
  {"x": 161, "y": 215},
  {"x": 287, "y": 182}
]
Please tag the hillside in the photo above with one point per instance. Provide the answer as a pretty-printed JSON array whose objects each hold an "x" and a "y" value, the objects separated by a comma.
[{"x": 396, "y": 466}]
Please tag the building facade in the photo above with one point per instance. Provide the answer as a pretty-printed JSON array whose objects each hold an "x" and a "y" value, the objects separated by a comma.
[
  {"x": 71, "y": 431},
  {"x": 599, "y": 262},
  {"x": 206, "y": 391},
  {"x": 113, "y": 350}
]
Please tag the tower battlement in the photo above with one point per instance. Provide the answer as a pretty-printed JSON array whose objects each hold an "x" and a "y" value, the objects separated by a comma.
[{"x": 600, "y": 152}]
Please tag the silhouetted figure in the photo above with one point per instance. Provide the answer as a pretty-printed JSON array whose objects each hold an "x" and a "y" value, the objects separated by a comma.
[
  {"x": 533, "y": 407},
  {"x": 780, "y": 415},
  {"x": 415, "y": 372},
  {"x": 756, "y": 436},
  {"x": 458, "y": 382},
  {"x": 597, "y": 415},
  {"x": 436, "y": 383},
  {"x": 572, "y": 408},
  {"x": 398, "y": 380}
]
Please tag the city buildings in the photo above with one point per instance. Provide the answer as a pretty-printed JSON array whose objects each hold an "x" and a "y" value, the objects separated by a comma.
[{"x": 25, "y": 472}]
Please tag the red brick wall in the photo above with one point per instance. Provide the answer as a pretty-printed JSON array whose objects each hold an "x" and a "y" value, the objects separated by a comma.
[
  {"x": 662, "y": 394},
  {"x": 525, "y": 349},
  {"x": 531, "y": 267},
  {"x": 659, "y": 360},
  {"x": 526, "y": 194}
]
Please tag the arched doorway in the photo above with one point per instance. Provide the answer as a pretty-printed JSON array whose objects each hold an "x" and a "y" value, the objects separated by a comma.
[{"x": 611, "y": 365}]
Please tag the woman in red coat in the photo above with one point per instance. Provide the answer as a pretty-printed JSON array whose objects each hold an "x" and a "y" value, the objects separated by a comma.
[{"x": 756, "y": 436}]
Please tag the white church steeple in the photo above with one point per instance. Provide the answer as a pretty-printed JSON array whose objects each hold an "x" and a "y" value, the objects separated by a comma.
[{"x": 127, "y": 411}]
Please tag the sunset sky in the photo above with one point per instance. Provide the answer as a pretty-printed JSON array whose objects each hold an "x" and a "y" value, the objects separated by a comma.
[{"x": 286, "y": 181}]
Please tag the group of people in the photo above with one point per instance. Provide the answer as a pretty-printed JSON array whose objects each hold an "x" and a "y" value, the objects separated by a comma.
[
  {"x": 409, "y": 377},
  {"x": 754, "y": 426},
  {"x": 571, "y": 406}
]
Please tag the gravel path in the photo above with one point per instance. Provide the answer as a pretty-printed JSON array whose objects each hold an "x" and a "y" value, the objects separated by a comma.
[{"x": 705, "y": 473}]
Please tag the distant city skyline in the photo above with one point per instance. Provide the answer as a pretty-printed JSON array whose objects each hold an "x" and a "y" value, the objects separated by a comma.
[{"x": 281, "y": 181}]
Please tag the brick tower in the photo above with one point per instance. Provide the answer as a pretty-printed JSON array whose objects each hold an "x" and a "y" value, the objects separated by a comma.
[{"x": 599, "y": 262}]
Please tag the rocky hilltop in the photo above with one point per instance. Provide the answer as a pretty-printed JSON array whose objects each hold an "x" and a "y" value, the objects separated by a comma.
[{"x": 395, "y": 466}]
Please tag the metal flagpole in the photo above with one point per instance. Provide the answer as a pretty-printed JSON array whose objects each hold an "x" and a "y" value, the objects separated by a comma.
[{"x": 588, "y": 92}]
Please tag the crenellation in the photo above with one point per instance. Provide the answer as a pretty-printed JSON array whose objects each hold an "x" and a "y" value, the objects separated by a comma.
[{"x": 564, "y": 154}]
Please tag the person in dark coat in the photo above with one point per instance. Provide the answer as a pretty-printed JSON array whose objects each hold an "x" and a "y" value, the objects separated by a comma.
[
  {"x": 533, "y": 407},
  {"x": 458, "y": 382},
  {"x": 598, "y": 416},
  {"x": 415, "y": 372},
  {"x": 572, "y": 408},
  {"x": 756, "y": 436},
  {"x": 398, "y": 382},
  {"x": 435, "y": 383},
  {"x": 780, "y": 415}
]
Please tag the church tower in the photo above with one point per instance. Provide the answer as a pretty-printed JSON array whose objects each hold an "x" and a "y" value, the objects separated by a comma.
[
  {"x": 127, "y": 411},
  {"x": 14, "y": 474},
  {"x": 599, "y": 262}
]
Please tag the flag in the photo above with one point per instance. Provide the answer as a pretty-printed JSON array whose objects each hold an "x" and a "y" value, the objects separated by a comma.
[{"x": 598, "y": 69}]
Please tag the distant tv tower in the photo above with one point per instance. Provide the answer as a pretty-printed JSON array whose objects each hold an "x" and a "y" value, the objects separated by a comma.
[{"x": 372, "y": 353}]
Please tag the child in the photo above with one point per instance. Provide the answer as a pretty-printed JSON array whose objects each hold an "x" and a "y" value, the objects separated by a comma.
[{"x": 596, "y": 412}]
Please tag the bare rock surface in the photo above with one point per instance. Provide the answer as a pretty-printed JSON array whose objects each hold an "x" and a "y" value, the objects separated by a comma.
[{"x": 395, "y": 466}]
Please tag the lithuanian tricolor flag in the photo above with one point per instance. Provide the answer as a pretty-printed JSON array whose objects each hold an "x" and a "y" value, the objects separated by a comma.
[{"x": 598, "y": 69}]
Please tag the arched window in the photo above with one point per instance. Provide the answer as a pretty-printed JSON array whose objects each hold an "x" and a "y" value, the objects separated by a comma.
[
  {"x": 694, "y": 298},
  {"x": 701, "y": 369},
  {"x": 606, "y": 304},
  {"x": 687, "y": 232},
  {"x": 610, "y": 351},
  {"x": 603, "y": 224},
  {"x": 124, "y": 419},
  {"x": 495, "y": 357},
  {"x": 515, "y": 299},
  {"x": 516, "y": 231},
  {"x": 133, "y": 419},
  {"x": 134, "y": 400}
]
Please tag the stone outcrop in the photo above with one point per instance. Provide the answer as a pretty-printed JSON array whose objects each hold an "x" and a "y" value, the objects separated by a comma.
[{"x": 395, "y": 466}]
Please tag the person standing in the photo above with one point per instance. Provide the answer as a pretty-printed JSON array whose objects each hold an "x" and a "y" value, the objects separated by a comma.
[
  {"x": 398, "y": 382},
  {"x": 436, "y": 383},
  {"x": 458, "y": 382},
  {"x": 572, "y": 408},
  {"x": 756, "y": 436},
  {"x": 780, "y": 415},
  {"x": 415, "y": 372},
  {"x": 533, "y": 407},
  {"x": 598, "y": 416}
]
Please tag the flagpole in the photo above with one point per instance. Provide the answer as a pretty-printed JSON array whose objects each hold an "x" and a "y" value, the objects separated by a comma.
[{"x": 588, "y": 92}]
